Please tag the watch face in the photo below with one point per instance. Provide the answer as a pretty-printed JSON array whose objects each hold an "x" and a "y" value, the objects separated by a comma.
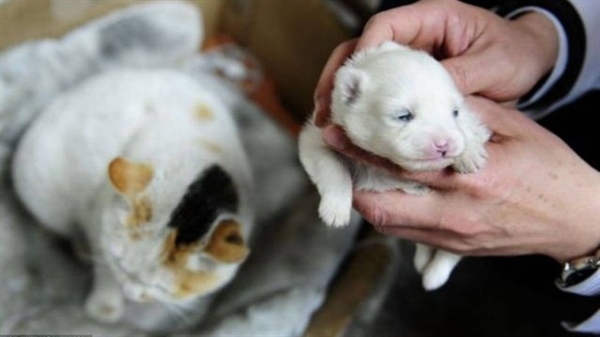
[{"x": 577, "y": 276}]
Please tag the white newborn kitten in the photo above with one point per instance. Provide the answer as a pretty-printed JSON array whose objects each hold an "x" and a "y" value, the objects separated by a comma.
[
  {"x": 400, "y": 104},
  {"x": 148, "y": 168}
]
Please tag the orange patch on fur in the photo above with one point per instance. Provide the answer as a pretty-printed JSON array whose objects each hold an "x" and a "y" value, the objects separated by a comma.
[
  {"x": 187, "y": 283},
  {"x": 141, "y": 211},
  {"x": 204, "y": 112},
  {"x": 194, "y": 283},
  {"x": 227, "y": 243},
  {"x": 129, "y": 178}
]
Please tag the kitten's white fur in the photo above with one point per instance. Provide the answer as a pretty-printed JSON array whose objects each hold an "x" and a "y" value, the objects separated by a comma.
[
  {"x": 400, "y": 104},
  {"x": 165, "y": 122}
]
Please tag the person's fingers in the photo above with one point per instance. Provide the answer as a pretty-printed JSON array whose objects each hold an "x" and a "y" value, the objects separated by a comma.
[
  {"x": 400, "y": 209},
  {"x": 466, "y": 70},
  {"x": 434, "y": 238},
  {"x": 445, "y": 179},
  {"x": 419, "y": 25},
  {"x": 335, "y": 137},
  {"x": 322, "y": 96},
  {"x": 384, "y": 27},
  {"x": 502, "y": 121}
]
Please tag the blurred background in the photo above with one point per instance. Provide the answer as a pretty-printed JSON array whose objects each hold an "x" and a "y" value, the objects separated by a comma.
[{"x": 292, "y": 39}]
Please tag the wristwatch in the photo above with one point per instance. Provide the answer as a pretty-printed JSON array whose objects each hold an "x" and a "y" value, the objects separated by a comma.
[{"x": 579, "y": 269}]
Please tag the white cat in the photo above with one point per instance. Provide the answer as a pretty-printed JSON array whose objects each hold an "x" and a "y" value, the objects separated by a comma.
[
  {"x": 147, "y": 167},
  {"x": 400, "y": 104}
]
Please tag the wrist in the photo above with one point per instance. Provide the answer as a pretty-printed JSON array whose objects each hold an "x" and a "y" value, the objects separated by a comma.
[
  {"x": 581, "y": 235},
  {"x": 541, "y": 43},
  {"x": 572, "y": 43}
]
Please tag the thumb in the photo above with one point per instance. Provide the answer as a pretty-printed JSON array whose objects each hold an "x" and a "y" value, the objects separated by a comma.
[
  {"x": 500, "y": 119},
  {"x": 470, "y": 73}
]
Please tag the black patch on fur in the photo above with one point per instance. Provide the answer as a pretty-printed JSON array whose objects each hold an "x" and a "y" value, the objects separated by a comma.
[{"x": 213, "y": 193}]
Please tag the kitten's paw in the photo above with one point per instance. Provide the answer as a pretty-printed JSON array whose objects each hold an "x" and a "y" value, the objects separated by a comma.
[
  {"x": 471, "y": 161},
  {"x": 438, "y": 270},
  {"x": 436, "y": 274},
  {"x": 421, "y": 259},
  {"x": 335, "y": 212},
  {"x": 105, "y": 306}
]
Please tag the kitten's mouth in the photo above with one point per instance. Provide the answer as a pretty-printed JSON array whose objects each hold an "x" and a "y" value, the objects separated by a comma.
[
  {"x": 428, "y": 164},
  {"x": 446, "y": 159}
]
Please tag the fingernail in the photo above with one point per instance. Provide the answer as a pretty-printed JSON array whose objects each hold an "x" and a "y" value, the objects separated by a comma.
[{"x": 334, "y": 137}]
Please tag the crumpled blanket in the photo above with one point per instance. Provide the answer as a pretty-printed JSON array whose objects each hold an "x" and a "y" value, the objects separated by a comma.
[{"x": 42, "y": 283}]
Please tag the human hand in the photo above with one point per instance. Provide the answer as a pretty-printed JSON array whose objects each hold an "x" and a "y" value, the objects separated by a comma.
[
  {"x": 485, "y": 53},
  {"x": 535, "y": 195}
]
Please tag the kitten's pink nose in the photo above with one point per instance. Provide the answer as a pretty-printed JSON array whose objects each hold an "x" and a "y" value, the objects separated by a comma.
[{"x": 442, "y": 146}]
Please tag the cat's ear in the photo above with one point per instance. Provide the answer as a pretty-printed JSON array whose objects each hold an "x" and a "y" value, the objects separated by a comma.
[
  {"x": 350, "y": 84},
  {"x": 227, "y": 244},
  {"x": 129, "y": 178},
  {"x": 391, "y": 45}
]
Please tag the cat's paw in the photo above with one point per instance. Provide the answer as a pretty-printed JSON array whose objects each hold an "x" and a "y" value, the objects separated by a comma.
[
  {"x": 471, "y": 161},
  {"x": 438, "y": 270},
  {"x": 335, "y": 211},
  {"x": 433, "y": 280},
  {"x": 421, "y": 259},
  {"x": 105, "y": 306}
]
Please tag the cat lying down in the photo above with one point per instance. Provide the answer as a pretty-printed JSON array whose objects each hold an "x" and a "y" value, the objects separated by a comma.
[
  {"x": 400, "y": 104},
  {"x": 146, "y": 166}
]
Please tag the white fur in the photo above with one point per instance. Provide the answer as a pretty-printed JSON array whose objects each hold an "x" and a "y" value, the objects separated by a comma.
[
  {"x": 146, "y": 116},
  {"x": 373, "y": 92}
]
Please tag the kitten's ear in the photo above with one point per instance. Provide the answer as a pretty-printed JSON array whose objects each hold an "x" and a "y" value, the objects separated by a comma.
[
  {"x": 350, "y": 83},
  {"x": 129, "y": 178},
  {"x": 391, "y": 45},
  {"x": 227, "y": 244}
]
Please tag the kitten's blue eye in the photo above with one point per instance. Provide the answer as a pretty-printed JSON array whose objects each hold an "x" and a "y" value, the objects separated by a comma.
[
  {"x": 455, "y": 113},
  {"x": 405, "y": 117}
]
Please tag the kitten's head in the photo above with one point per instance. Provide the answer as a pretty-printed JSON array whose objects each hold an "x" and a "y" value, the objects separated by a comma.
[
  {"x": 168, "y": 243},
  {"x": 401, "y": 104}
]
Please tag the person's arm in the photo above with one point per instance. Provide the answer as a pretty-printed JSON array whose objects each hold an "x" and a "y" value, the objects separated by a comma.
[{"x": 577, "y": 67}]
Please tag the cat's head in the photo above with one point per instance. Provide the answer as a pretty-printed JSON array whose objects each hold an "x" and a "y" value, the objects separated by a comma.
[
  {"x": 170, "y": 243},
  {"x": 401, "y": 104}
]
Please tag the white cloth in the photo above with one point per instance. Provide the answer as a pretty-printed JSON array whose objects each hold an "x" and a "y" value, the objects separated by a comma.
[{"x": 42, "y": 286}]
